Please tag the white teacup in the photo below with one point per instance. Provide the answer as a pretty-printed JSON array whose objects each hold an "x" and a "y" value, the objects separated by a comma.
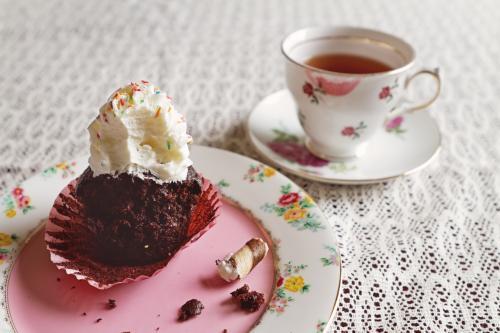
[{"x": 340, "y": 112}]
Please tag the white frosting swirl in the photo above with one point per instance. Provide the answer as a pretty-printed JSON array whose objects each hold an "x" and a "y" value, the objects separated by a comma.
[{"x": 138, "y": 131}]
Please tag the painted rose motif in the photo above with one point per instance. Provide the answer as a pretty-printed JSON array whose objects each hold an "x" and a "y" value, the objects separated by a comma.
[
  {"x": 353, "y": 132},
  {"x": 316, "y": 86},
  {"x": 288, "y": 146},
  {"x": 16, "y": 201},
  {"x": 66, "y": 169},
  {"x": 308, "y": 89},
  {"x": 4, "y": 255},
  {"x": 336, "y": 88},
  {"x": 348, "y": 131},
  {"x": 294, "y": 208},
  {"x": 394, "y": 125},
  {"x": 386, "y": 92},
  {"x": 17, "y": 191},
  {"x": 297, "y": 153},
  {"x": 289, "y": 198},
  {"x": 279, "y": 283},
  {"x": 258, "y": 173}
]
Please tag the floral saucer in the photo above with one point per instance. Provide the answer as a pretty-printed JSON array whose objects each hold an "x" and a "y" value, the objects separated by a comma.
[
  {"x": 405, "y": 144},
  {"x": 301, "y": 283}
]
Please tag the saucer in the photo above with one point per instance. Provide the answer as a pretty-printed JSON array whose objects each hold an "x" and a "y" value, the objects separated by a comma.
[{"x": 404, "y": 145}]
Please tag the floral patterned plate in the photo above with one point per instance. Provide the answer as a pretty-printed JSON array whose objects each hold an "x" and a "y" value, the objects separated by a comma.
[
  {"x": 405, "y": 145},
  {"x": 302, "y": 282}
]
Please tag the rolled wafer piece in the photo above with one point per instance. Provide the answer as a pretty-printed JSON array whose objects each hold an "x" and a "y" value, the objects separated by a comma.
[{"x": 240, "y": 264}]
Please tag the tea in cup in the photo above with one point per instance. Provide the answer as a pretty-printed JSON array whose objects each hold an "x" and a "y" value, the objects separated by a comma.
[{"x": 347, "y": 82}]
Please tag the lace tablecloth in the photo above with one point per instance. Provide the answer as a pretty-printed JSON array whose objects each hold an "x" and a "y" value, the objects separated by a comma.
[{"x": 420, "y": 253}]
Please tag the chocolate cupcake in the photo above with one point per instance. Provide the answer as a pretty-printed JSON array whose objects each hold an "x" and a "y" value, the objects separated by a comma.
[{"x": 140, "y": 200}]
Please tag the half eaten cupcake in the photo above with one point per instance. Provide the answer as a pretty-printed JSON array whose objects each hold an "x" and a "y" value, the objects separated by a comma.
[{"x": 140, "y": 200}]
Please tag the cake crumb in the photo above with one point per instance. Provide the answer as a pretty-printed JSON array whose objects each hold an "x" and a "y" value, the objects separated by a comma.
[
  {"x": 242, "y": 290},
  {"x": 84, "y": 314},
  {"x": 98, "y": 320},
  {"x": 111, "y": 304},
  {"x": 73, "y": 287},
  {"x": 251, "y": 301},
  {"x": 190, "y": 309},
  {"x": 224, "y": 331},
  {"x": 58, "y": 279}
]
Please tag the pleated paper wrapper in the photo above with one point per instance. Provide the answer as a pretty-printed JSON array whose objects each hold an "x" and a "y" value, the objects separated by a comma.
[{"x": 66, "y": 231}]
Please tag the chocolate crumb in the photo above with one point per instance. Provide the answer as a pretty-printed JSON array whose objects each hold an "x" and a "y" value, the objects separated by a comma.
[
  {"x": 84, "y": 314},
  {"x": 58, "y": 279},
  {"x": 251, "y": 301},
  {"x": 73, "y": 287},
  {"x": 158, "y": 315},
  {"x": 98, "y": 320},
  {"x": 190, "y": 309},
  {"x": 157, "y": 329},
  {"x": 242, "y": 290},
  {"x": 224, "y": 331},
  {"x": 111, "y": 304}
]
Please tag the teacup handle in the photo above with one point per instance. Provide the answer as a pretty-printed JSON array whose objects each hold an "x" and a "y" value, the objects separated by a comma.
[{"x": 434, "y": 74}]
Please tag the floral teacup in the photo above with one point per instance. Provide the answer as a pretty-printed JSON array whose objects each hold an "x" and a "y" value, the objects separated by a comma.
[{"x": 340, "y": 112}]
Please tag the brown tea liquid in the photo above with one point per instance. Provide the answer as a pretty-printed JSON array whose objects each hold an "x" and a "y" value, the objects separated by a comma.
[{"x": 347, "y": 63}]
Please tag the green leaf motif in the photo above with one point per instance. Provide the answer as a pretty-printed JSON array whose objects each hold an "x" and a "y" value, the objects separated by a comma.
[
  {"x": 330, "y": 248},
  {"x": 280, "y": 210},
  {"x": 268, "y": 208},
  {"x": 326, "y": 261},
  {"x": 280, "y": 292},
  {"x": 222, "y": 183},
  {"x": 320, "y": 326},
  {"x": 283, "y": 136},
  {"x": 49, "y": 171},
  {"x": 341, "y": 167},
  {"x": 305, "y": 289},
  {"x": 285, "y": 189}
]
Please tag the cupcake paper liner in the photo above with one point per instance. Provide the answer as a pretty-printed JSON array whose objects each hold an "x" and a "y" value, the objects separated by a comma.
[{"x": 67, "y": 234}]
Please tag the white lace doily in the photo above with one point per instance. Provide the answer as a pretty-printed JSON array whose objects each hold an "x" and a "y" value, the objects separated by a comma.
[{"x": 420, "y": 253}]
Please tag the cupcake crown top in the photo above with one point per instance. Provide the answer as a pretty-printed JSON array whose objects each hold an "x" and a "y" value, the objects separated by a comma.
[{"x": 138, "y": 131}]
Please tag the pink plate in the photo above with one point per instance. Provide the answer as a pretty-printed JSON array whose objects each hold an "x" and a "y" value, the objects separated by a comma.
[{"x": 44, "y": 299}]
